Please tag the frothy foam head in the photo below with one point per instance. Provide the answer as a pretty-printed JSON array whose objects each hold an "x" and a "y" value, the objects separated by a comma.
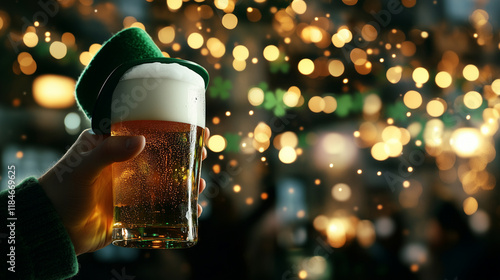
[
  {"x": 158, "y": 91},
  {"x": 173, "y": 71}
]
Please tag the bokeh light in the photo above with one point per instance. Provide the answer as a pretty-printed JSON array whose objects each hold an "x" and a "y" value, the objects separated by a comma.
[
  {"x": 217, "y": 143},
  {"x": 54, "y": 91},
  {"x": 412, "y": 99},
  {"x": 341, "y": 192}
]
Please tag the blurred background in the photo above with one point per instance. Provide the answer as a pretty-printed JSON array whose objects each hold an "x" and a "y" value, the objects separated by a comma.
[{"x": 351, "y": 139}]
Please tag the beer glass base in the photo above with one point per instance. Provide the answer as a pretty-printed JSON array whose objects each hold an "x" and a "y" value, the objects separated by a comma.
[{"x": 170, "y": 238}]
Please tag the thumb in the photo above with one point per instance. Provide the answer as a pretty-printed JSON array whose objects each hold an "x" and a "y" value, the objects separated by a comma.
[{"x": 109, "y": 150}]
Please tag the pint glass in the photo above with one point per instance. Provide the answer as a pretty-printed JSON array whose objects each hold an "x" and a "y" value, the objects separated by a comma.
[{"x": 156, "y": 193}]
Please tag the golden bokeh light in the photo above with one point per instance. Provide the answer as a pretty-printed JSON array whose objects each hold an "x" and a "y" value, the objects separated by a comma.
[
  {"x": 433, "y": 133},
  {"x": 216, "y": 47},
  {"x": 414, "y": 129},
  {"x": 412, "y": 99},
  {"x": 54, "y": 91},
  {"x": 420, "y": 75},
  {"x": 470, "y": 205},
  {"x": 341, "y": 192},
  {"x": 443, "y": 79},
  {"x": 239, "y": 65},
  {"x": 58, "y": 50},
  {"x": 128, "y": 21},
  {"x": 253, "y": 14},
  {"x": 495, "y": 86},
  {"x": 306, "y": 66},
  {"x": 436, "y": 107},
  {"x": 138, "y": 25},
  {"x": 24, "y": 59},
  {"x": 391, "y": 132},
  {"x": 221, "y": 4},
  {"x": 287, "y": 155},
  {"x": 358, "y": 56},
  {"x": 195, "y": 40},
  {"x": 85, "y": 58},
  {"x": 408, "y": 48},
  {"x": 174, "y": 5},
  {"x": 378, "y": 151},
  {"x": 292, "y": 97},
  {"x": 29, "y": 69},
  {"x": 473, "y": 100},
  {"x": 229, "y": 21},
  {"x": 368, "y": 133},
  {"x": 336, "y": 232},
  {"x": 405, "y": 136},
  {"x": 466, "y": 141},
  {"x": 394, "y": 74},
  {"x": 372, "y": 104},
  {"x": 94, "y": 48},
  {"x": 68, "y": 39},
  {"x": 271, "y": 53},
  {"x": 312, "y": 34},
  {"x": 408, "y": 3},
  {"x": 471, "y": 72},
  {"x": 336, "y": 68},
  {"x": 166, "y": 35},
  {"x": 316, "y": 104},
  {"x": 350, "y": 2},
  {"x": 369, "y": 33},
  {"x": 288, "y": 139},
  {"x": 262, "y": 133},
  {"x": 344, "y": 35},
  {"x": 299, "y": 6},
  {"x": 320, "y": 223},
  {"x": 393, "y": 147},
  {"x": 30, "y": 39},
  {"x": 337, "y": 42},
  {"x": 241, "y": 52},
  {"x": 256, "y": 96},
  {"x": 330, "y": 104},
  {"x": 217, "y": 143}
]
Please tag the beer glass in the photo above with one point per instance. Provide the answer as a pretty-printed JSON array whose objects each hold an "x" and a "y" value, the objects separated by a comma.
[{"x": 156, "y": 193}]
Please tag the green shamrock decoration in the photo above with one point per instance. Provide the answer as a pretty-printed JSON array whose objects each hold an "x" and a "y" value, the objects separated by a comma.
[
  {"x": 344, "y": 104},
  {"x": 233, "y": 142},
  {"x": 349, "y": 103},
  {"x": 220, "y": 88},
  {"x": 358, "y": 101},
  {"x": 275, "y": 100},
  {"x": 280, "y": 65}
]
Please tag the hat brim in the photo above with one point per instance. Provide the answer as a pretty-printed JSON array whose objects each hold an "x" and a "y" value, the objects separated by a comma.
[{"x": 101, "y": 114}]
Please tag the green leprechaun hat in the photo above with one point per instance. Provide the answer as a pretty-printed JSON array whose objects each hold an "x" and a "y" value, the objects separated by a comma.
[{"x": 126, "y": 49}]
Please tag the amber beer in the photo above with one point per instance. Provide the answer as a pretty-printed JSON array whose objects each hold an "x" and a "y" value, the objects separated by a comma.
[{"x": 156, "y": 193}]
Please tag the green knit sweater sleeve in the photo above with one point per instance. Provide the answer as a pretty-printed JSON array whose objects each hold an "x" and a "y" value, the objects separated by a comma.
[{"x": 33, "y": 239}]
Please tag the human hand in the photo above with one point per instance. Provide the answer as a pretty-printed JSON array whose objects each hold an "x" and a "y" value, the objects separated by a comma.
[{"x": 80, "y": 186}]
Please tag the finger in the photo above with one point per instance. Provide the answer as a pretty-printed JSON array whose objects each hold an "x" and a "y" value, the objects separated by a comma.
[
  {"x": 204, "y": 153},
  {"x": 203, "y": 184},
  {"x": 106, "y": 151},
  {"x": 207, "y": 134},
  {"x": 204, "y": 150},
  {"x": 200, "y": 210}
]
